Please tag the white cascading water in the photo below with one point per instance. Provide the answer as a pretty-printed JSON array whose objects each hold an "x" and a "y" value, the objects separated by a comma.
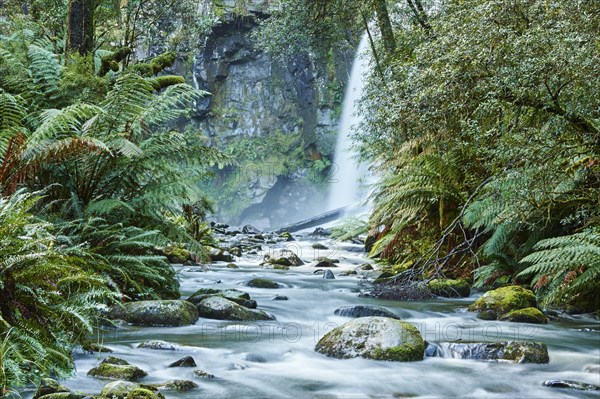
[{"x": 344, "y": 188}]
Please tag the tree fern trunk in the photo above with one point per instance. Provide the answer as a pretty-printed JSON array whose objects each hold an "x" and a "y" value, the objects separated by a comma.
[{"x": 80, "y": 23}]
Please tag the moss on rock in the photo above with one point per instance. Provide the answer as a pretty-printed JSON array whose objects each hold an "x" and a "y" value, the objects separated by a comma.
[
  {"x": 117, "y": 369},
  {"x": 449, "y": 288},
  {"x": 118, "y": 389},
  {"x": 262, "y": 283},
  {"x": 216, "y": 307},
  {"x": 504, "y": 300},
  {"x": 379, "y": 338},
  {"x": 527, "y": 315},
  {"x": 48, "y": 386},
  {"x": 156, "y": 313}
]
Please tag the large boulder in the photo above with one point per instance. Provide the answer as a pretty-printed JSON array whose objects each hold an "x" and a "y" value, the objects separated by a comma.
[
  {"x": 379, "y": 338},
  {"x": 284, "y": 257},
  {"x": 510, "y": 351},
  {"x": 118, "y": 389},
  {"x": 117, "y": 369},
  {"x": 449, "y": 288},
  {"x": 527, "y": 315},
  {"x": 239, "y": 297},
  {"x": 500, "y": 301},
  {"x": 364, "y": 311},
  {"x": 156, "y": 313},
  {"x": 216, "y": 307}
]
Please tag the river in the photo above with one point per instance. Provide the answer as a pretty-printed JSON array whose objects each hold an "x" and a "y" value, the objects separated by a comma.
[{"x": 276, "y": 359}]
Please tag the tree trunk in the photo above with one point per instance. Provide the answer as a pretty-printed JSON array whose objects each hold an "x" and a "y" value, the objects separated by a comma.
[
  {"x": 385, "y": 26},
  {"x": 80, "y": 23}
]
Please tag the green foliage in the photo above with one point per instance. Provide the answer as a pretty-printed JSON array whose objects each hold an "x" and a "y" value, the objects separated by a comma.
[
  {"x": 565, "y": 268},
  {"x": 49, "y": 299}
]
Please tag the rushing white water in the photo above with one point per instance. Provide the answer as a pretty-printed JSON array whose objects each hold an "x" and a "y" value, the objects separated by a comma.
[
  {"x": 345, "y": 186},
  {"x": 276, "y": 359}
]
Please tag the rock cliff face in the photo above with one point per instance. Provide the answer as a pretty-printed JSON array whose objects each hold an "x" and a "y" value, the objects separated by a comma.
[{"x": 255, "y": 96}]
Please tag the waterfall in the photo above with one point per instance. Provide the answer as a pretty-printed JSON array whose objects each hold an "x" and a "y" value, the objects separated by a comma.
[{"x": 344, "y": 188}]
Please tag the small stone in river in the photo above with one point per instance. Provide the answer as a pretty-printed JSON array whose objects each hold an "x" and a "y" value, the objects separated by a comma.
[
  {"x": 177, "y": 385},
  {"x": 319, "y": 246},
  {"x": 232, "y": 266},
  {"x": 187, "y": 361},
  {"x": 325, "y": 263},
  {"x": 203, "y": 374},
  {"x": 280, "y": 298},
  {"x": 328, "y": 275},
  {"x": 578, "y": 386},
  {"x": 159, "y": 345}
]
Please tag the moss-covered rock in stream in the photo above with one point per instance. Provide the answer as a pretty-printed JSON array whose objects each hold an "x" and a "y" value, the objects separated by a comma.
[
  {"x": 216, "y": 307},
  {"x": 527, "y": 315},
  {"x": 156, "y": 313},
  {"x": 284, "y": 258},
  {"x": 510, "y": 351},
  {"x": 176, "y": 253},
  {"x": 176, "y": 385},
  {"x": 239, "y": 297},
  {"x": 449, "y": 288},
  {"x": 262, "y": 283},
  {"x": 573, "y": 385},
  {"x": 503, "y": 300},
  {"x": 379, "y": 338},
  {"x": 48, "y": 386},
  {"x": 117, "y": 369},
  {"x": 118, "y": 389}
]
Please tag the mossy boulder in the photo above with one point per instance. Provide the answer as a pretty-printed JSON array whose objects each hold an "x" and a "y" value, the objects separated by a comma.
[
  {"x": 286, "y": 236},
  {"x": 262, "y": 283},
  {"x": 176, "y": 253},
  {"x": 117, "y": 369},
  {"x": 48, "y": 386},
  {"x": 509, "y": 351},
  {"x": 318, "y": 245},
  {"x": 91, "y": 347},
  {"x": 171, "y": 313},
  {"x": 118, "y": 389},
  {"x": 216, "y": 307},
  {"x": 284, "y": 257},
  {"x": 503, "y": 300},
  {"x": 237, "y": 296},
  {"x": 378, "y": 338},
  {"x": 232, "y": 266},
  {"x": 449, "y": 288},
  {"x": 527, "y": 315}
]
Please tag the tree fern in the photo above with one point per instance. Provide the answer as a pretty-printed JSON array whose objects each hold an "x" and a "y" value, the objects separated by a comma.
[{"x": 564, "y": 268}]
